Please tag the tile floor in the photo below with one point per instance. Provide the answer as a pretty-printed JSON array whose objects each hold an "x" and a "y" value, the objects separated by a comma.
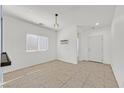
[{"x": 58, "y": 74}]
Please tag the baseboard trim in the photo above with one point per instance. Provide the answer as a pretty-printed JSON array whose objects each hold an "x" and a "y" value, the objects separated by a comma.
[
  {"x": 114, "y": 76},
  {"x": 91, "y": 61},
  {"x": 30, "y": 66},
  {"x": 67, "y": 61}
]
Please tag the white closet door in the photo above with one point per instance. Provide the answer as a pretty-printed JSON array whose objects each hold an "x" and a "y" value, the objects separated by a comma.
[{"x": 95, "y": 48}]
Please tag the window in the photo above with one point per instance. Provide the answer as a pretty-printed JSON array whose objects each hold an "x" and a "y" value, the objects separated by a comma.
[
  {"x": 43, "y": 43},
  {"x": 36, "y": 43},
  {"x": 32, "y": 42}
]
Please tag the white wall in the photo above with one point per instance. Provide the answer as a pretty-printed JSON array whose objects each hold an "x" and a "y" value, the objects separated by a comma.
[
  {"x": 83, "y": 43},
  {"x": 118, "y": 45},
  {"x": 67, "y": 52},
  {"x": 15, "y": 31}
]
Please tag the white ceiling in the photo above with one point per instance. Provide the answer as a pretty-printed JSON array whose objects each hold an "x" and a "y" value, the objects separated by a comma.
[{"x": 68, "y": 14}]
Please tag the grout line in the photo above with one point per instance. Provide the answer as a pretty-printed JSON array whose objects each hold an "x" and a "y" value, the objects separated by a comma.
[
  {"x": 20, "y": 77},
  {"x": 44, "y": 63},
  {"x": 104, "y": 77},
  {"x": 66, "y": 82},
  {"x": 12, "y": 80},
  {"x": 33, "y": 72},
  {"x": 86, "y": 80}
]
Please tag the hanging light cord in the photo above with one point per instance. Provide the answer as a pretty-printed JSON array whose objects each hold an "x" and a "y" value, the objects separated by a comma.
[{"x": 56, "y": 25}]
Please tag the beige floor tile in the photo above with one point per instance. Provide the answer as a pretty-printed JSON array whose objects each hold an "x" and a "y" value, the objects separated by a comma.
[
  {"x": 94, "y": 82},
  {"x": 73, "y": 83},
  {"x": 52, "y": 83},
  {"x": 57, "y": 74}
]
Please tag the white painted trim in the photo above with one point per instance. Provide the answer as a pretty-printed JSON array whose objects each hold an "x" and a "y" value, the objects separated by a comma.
[{"x": 116, "y": 75}]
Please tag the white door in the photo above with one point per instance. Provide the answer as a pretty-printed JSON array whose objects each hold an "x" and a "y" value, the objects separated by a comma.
[{"x": 95, "y": 48}]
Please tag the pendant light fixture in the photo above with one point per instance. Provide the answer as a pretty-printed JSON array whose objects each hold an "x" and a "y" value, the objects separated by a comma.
[{"x": 56, "y": 25}]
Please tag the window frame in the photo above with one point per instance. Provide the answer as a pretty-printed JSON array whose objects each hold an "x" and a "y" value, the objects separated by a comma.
[{"x": 38, "y": 43}]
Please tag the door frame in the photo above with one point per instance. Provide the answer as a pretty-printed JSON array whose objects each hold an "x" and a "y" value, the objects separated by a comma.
[
  {"x": 1, "y": 31},
  {"x": 77, "y": 44},
  {"x": 102, "y": 48}
]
